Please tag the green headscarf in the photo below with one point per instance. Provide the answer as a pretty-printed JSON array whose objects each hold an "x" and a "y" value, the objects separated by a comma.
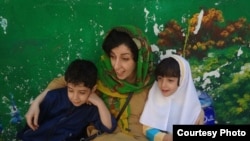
[{"x": 144, "y": 68}]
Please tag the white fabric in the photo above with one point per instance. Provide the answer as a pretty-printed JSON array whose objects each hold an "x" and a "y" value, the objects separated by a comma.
[{"x": 182, "y": 107}]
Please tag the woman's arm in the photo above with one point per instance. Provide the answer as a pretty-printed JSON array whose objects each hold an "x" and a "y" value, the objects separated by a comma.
[
  {"x": 156, "y": 135},
  {"x": 33, "y": 112}
]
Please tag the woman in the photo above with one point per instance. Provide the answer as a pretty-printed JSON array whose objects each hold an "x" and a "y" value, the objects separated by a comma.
[
  {"x": 125, "y": 67},
  {"x": 173, "y": 99}
]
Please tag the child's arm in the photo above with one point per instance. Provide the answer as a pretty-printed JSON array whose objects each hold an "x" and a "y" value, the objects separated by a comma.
[
  {"x": 33, "y": 112},
  {"x": 103, "y": 110},
  {"x": 200, "y": 119},
  {"x": 156, "y": 135}
]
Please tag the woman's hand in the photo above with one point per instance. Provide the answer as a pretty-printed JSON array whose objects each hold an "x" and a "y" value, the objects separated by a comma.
[
  {"x": 32, "y": 116},
  {"x": 34, "y": 110}
]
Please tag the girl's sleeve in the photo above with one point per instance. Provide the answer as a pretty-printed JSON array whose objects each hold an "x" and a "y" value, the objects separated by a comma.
[
  {"x": 153, "y": 134},
  {"x": 58, "y": 82}
]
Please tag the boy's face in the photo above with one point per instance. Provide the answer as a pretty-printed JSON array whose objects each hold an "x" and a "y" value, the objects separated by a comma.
[
  {"x": 167, "y": 85},
  {"x": 78, "y": 94}
]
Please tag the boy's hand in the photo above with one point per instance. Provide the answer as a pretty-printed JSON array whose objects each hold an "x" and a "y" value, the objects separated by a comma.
[{"x": 94, "y": 99}]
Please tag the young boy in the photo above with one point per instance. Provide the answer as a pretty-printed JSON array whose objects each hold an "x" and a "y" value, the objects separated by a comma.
[
  {"x": 172, "y": 100},
  {"x": 66, "y": 112}
]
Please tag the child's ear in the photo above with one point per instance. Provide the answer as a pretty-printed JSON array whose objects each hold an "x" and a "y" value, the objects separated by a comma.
[{"x": 94, "y": 88}]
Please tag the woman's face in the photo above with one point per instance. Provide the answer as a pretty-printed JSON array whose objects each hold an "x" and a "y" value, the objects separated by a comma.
[{"x": 122, "y": 62}]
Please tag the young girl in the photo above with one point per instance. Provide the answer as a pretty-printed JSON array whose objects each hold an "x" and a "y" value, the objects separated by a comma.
[{"x": 172, "y": 100}]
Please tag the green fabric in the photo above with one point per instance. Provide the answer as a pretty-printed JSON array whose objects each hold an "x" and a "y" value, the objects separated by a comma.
[{"x": 144, "y": 66}]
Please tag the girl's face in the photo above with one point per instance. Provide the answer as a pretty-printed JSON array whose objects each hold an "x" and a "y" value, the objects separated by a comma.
[
  {"x": 122, "y": 62},
  {"x": 167, "y": 85}
]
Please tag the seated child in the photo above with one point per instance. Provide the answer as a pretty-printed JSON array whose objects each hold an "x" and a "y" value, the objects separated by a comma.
[
  {"x": 66, "y": 112},
  {"x": 172, "y": 100}
]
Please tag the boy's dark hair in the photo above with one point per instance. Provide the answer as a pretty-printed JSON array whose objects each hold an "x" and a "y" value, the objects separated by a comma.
[
  {"x": 168, "y": 67},
  {"x": 81, "y": 71},
  {"x": 118, "y": 37}
]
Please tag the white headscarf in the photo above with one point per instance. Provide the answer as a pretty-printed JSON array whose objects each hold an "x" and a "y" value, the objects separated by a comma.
[{"x": 182, "y": 107}]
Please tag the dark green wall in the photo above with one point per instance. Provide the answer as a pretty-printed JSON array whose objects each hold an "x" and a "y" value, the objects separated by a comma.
[{"x": 38, "y": 38}]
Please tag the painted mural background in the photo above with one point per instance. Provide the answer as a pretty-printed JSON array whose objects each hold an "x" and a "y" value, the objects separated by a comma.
[{"x": 39, "y": 38}]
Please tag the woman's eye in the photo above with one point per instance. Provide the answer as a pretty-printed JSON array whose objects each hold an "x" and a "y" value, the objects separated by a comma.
[
  {"x": 111, "y": 56},
  {"x": 82, "y": 93},
  {"x": 125, "y": 59}
]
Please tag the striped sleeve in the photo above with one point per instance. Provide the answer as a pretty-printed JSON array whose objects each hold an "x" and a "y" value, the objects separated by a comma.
[{"x": 153, "y": 134}]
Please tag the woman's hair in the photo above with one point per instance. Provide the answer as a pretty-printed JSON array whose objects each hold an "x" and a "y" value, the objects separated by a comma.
[
  {"x": 81, "y": 71},
  {"x": 168, "y": 67},
  {"x": 118, "y": 37}
]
